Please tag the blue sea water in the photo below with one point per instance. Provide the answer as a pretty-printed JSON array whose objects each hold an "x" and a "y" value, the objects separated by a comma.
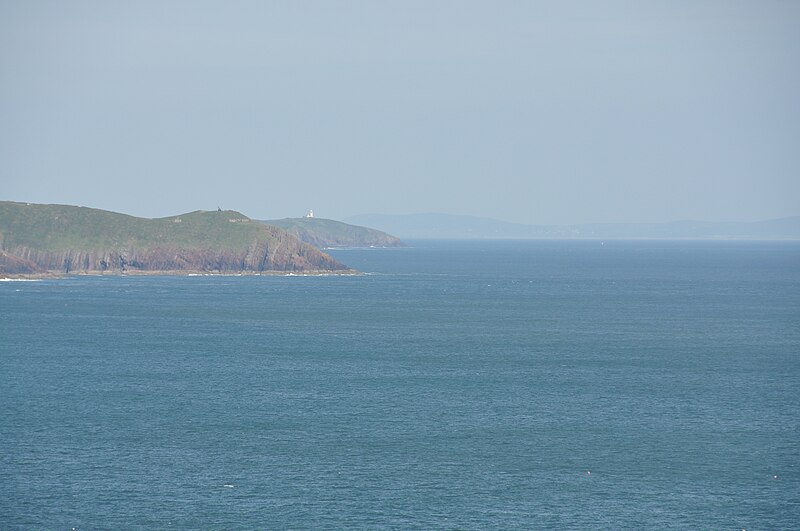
[{"x": 480, "y": 384}]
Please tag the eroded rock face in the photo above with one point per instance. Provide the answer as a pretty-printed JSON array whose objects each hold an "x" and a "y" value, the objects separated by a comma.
[
  {"x": 259, "y": 257},
  {"x": 15, "y": 265}
]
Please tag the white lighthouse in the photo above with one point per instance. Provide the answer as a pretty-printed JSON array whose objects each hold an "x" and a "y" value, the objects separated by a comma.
[{"x": 310, "y": 214}]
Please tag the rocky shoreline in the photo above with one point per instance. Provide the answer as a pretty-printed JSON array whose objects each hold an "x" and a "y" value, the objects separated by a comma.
[{"x": 52, "y": 275}]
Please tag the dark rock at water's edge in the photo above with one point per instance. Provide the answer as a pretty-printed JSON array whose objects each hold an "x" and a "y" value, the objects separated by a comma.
[{"x": 37, "y": 239}]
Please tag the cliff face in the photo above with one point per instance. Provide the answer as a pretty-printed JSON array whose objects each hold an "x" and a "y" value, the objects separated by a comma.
[
  {"x": 259, "y": 258},
  {"x": 16, "y": 265},
  {"x": 42, "y": 238}
]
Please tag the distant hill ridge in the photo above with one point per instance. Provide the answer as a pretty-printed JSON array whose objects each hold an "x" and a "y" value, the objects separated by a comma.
[
  {"x": 433, "y": 226},
  {"x": 327, "y": 233},
  {"x": 38, "y": 238}
]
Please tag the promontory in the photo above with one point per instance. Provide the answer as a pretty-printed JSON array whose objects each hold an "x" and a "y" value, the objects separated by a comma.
[
  {"x": 62, "y": 239},
  {"x": 327, "y": 233}
]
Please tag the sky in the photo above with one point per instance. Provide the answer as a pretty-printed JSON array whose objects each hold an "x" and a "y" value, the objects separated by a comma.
[{"x": 539, "y": 112}]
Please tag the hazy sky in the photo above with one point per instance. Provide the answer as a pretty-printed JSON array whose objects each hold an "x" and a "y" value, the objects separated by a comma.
[{"x": 533, "y": 112}]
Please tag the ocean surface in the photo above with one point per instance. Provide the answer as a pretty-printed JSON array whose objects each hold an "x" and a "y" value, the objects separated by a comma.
[{"x": 465, "y": 385}]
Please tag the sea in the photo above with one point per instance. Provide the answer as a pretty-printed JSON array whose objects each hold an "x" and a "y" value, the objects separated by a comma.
[{"x": 454, "y": 385}]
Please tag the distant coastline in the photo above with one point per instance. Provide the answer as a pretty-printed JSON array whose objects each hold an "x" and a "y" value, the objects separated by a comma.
[{"x": 447, "y": 226}]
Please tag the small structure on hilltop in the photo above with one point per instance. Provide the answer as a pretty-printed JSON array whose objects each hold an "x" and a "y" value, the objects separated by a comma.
[{"x": 310, "y": 214}]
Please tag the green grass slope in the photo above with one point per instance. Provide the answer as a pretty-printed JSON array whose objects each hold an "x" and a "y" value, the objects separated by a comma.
[
  {"x": 325, "y": 233},
  {"x": 35, "y": 238}
]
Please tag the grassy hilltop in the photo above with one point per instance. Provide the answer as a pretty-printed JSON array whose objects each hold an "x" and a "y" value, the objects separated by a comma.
[
  {"x": 325, "y": 233},
  {"x": 37, "y": 238}
]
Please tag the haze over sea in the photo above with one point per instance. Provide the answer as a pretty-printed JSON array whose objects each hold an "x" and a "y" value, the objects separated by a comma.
[{"x": 473, "y": 384}]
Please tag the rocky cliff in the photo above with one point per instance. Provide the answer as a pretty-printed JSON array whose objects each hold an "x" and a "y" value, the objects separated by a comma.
[{"x": 68, "y": 239}]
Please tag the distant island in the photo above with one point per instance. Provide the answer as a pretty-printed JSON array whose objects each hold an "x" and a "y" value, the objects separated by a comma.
[
  {"x": 447, "y": 226},
  {"x": 62, "y": 239},
  {"x": 330, "y": 234}
]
